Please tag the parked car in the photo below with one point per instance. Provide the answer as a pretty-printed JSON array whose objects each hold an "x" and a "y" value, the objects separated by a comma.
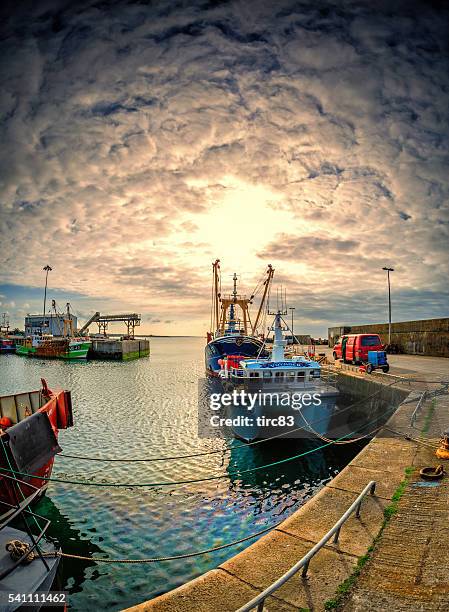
[{"x": 354, "y": 347}]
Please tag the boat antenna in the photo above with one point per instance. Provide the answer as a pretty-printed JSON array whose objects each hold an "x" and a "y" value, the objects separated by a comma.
[
  {"x": 234, "y": 293},
  {"x": 54, "y": 309},
  {"x": 46, "y": 269}
]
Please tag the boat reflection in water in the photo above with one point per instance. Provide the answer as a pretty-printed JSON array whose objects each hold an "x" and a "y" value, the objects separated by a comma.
[{"x": 315, "y": 465}]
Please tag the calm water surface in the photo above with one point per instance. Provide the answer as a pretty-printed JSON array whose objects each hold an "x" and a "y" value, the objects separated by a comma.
[{"x": 148, "y": 408}]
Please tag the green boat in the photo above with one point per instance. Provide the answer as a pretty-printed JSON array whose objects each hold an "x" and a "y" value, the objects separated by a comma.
[{"x": 54, "y": 347}]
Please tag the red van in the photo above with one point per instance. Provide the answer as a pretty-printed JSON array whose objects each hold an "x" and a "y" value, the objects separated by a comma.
[{"x": 355, "y": 347}]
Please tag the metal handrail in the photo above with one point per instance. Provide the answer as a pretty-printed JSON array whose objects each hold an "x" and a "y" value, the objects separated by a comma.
[
  {"x": 417, "y": 407},
  {"x": 303, "y": 563}
]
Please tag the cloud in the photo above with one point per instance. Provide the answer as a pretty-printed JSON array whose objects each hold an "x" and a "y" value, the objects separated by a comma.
[{"x": 126, "y": 130}]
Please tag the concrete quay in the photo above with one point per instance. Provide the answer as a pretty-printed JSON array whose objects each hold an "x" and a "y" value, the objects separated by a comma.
[
  {"x": 243, "y": 576},
  {"x": 121, "y": 350}
]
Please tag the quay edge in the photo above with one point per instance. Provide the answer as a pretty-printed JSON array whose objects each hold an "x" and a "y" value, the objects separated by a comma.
[{"x": 240, "y": 578}]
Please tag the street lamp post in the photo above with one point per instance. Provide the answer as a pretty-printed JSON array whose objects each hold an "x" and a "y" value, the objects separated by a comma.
[
  {"x": 292, "y": 308},
  {"x": 47, "y": 269},
  {"x": 388, "y": 270}
]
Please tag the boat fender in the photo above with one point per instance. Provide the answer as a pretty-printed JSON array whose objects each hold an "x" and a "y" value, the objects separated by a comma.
[
  {"x": 17, "y": 549},
  {"x": 442, "y": 451},
  {"x": 5, "y": 422},
  {"x": 432, "y": 473}
]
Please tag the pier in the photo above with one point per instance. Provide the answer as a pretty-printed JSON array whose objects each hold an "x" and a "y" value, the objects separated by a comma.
[
  {"x": 121, "y": 350},
  {"x": 395, "y": 555}
]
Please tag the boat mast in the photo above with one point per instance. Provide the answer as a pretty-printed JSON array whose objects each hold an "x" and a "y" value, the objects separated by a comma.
[
  {"x": 47, "y": 269},
  {"x": 216, "y": 297},
  {"x": 68, "y": 331},
  {"x": 267, "y": 283},
  {"x": 278, "y": 352}
]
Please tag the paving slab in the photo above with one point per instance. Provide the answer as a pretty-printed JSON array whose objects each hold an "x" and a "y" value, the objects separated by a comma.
[
  {"x": 204, "y": 593},
  {"x": 409, "y": 567},
  {"x": 275, "y": 554},
  {"x": 389, "y": 453},
  {"x": 321, "y": 513},
  {"x": 354, "y": 478}
]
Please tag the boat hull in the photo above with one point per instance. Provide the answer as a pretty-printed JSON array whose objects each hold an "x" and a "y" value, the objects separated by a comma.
[
  {"x": 58, "y": 350},
  {"x": 30, "y": 444},
  {"x": 29, "y": 578},
  {"x": 246, "y": 346},
  {"x": 284, "y": 418}
]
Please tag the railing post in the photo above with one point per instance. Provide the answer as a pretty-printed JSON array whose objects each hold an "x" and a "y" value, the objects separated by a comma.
[
  {"x": 373, "y": 488},
  {"x": 305, "y": 568},
  {"x": 337, "y": 535},
  {"x": 261, "y": 606},
  {"x": 357, "y": 512}
]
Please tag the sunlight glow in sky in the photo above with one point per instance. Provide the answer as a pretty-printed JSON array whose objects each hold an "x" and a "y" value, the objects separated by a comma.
[{"x": 140, "y": 142}]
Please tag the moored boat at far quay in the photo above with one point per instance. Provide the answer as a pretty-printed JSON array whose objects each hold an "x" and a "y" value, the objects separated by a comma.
[
  {"x": 64, "y": 346},
  {"x": 53, "y": 346},
  {"x": 7, "y": 345}
]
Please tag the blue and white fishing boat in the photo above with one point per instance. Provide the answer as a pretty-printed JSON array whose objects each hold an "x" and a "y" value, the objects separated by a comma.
[
  {"x": 283, "y": 393},
  {"x": 232, "y": 335}
]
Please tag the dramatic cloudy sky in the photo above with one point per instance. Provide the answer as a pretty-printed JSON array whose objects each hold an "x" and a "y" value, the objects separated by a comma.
[{"x": 141, "y": 140}]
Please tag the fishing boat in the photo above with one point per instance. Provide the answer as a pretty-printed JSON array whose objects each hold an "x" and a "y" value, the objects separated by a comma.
[
  {"x": 281, "y": 393},
  {"x": 231, "y": 334},
  {"x": 29, "y": 428},
  {"x": 28, "y": 561},
  {"x": 64, "y": 346},
  {"x": 54, "y": 346}
]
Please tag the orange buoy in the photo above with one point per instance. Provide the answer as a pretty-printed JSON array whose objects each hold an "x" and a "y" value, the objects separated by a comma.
[
  {"x": 5, "y": 422},
  {"x": 442, "y": 451}
]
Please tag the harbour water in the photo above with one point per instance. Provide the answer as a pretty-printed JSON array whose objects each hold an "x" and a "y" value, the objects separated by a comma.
[{"x": 148, "y": 408}]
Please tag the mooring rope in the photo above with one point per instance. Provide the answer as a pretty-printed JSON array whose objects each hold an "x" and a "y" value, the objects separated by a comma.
[
  {"x": 192, "y": 480},
  {"x": 406, "y": 436},
  {"x": 221, "y": 450}
]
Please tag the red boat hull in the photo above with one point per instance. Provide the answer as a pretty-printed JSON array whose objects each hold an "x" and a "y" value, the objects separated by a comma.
[{"x": 57, "y": 406}]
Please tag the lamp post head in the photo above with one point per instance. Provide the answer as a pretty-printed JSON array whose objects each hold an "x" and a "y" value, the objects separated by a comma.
[{"x": 388, "y": 269}]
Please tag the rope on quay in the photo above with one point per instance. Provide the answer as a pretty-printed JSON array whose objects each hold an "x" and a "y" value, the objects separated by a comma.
[
  {"x": 221, "y": 450},
  {"x": 424, "y": 442},
  {"x": 195, "y": 480}
]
